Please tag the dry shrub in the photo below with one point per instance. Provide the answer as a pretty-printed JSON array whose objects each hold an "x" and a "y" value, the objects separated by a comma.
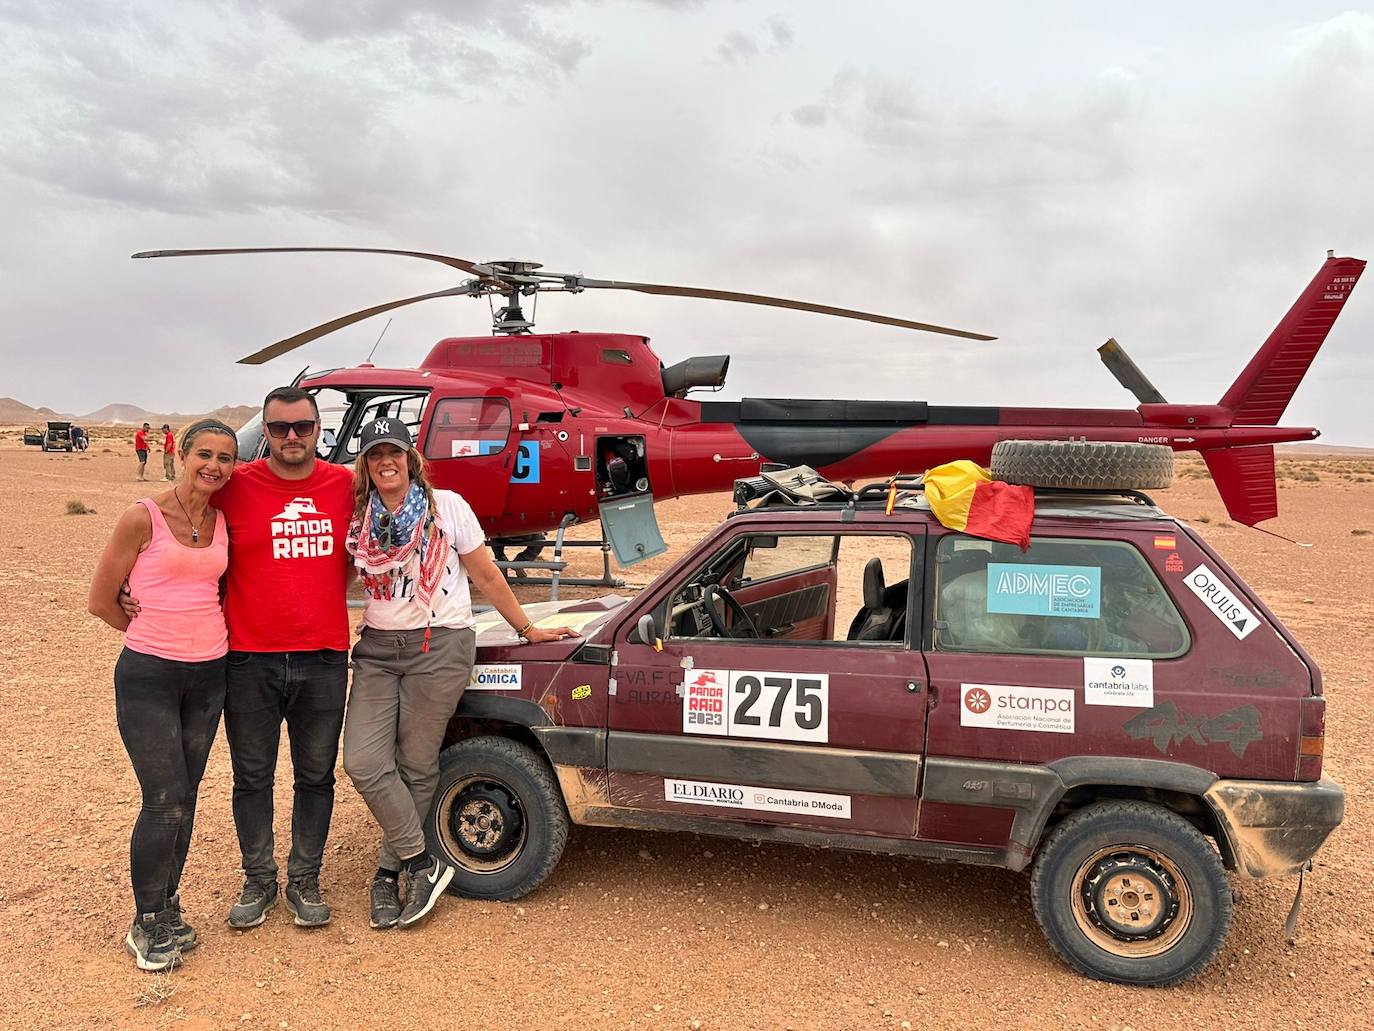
[
  {"x": 158, "y": 990},
  {"x": 1203, "y": 519},
  {"x": 1362, "y": 533},
  {"x": 78, "y": 507}
]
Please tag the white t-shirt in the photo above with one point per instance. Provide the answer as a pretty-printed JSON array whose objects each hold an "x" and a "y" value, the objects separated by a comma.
[{"x": 452, "y": 602}]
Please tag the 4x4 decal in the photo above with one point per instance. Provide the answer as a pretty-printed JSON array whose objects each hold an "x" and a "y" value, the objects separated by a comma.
[{"x": 1166, "y": 725}]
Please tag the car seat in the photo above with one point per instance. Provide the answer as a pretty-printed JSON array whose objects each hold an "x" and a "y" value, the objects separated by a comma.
[{"x": 883, "y": 616}]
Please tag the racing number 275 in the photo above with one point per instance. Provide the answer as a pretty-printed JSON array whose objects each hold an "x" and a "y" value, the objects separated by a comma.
[{"x": 779, "y": 705}]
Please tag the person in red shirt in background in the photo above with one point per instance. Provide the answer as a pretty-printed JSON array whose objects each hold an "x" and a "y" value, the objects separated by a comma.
[
  {"x": 141, "y": 449},
  {"x": 169, "y": 448}
]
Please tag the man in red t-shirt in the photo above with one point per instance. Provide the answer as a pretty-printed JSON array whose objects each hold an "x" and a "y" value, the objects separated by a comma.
[
  {"x": 287, "y": 613},
  {"x": 141, "y": 449},
  {"x": 169, "y": 447}
]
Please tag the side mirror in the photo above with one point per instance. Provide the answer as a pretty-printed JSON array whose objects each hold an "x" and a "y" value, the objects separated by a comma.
[{"x": 646, "y": 630}]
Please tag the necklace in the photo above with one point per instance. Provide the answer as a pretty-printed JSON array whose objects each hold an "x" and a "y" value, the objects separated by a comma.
[{"x": 195, "y": 530}]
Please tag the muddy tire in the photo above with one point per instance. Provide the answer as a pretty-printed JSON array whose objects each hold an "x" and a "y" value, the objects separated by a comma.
[
  {"x": 498, "y": 817},
  {"x": 1131, "y": 892},
  {"x": 1083, "y": 464}
]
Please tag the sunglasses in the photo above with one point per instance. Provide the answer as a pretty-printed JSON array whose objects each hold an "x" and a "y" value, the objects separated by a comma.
[{"x": 303, "y": 428}]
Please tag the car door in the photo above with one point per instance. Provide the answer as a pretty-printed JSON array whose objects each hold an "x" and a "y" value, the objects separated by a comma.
[{"x": 816, "y": 733}]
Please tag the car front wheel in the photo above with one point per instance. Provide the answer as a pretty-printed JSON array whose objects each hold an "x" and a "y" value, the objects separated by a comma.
[
  {"x": 498, "y": 817},
  {"x": 1131, "y": 892}
]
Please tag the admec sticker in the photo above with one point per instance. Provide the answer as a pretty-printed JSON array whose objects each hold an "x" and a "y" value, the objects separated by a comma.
[
  {"x": 495, "y": 678},
  {"x": 1223, "y": 604},
  {"x": 1004, "y": 707},
  {"x": 1119, "y": 682},
  {"x": 1037, "y": 590},
  {"x": 765, "y": 800}
]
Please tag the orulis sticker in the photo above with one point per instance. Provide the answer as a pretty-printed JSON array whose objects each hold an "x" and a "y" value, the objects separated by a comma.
[{"x": 1221, "y": 602}]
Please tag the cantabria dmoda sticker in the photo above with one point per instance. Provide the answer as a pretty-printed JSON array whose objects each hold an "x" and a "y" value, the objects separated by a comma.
[
  {"x": 1221, "y": 602},
  {"x": 764, "y": 800},
  {"x": 757, "y": 703},
  {"x": 495, "y": 678}
]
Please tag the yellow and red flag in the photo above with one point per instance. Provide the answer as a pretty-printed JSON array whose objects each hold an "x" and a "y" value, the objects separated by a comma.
[{"x": 964, "y": 496}]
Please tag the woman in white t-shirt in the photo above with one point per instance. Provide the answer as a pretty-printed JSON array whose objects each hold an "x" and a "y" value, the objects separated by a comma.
[{"x": 415, "y": 549}]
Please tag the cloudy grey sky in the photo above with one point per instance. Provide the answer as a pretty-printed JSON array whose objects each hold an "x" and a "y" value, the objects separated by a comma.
[{"x": 1170, "y": 174}]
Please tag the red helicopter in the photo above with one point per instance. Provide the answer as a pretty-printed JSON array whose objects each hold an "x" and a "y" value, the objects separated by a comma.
[{"x": 539, "y": 431}]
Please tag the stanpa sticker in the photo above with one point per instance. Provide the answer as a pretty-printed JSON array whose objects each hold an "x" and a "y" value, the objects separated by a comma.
[
  {"x": 1040, "y": 590},
  {"x": 495, "y": 678},
  {"x": 766, "y": 800},
  {"x": 1119, "y": 682},
  {"x": 1223, "y": 604},
  {"x": 1006, "y": 707},
  {"x": 757, "y": 703}
]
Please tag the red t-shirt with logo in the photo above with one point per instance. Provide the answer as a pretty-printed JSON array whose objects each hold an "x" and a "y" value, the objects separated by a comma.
[
  {"x": 141, "y": 440},
  {"x": 288, "y": 570}
]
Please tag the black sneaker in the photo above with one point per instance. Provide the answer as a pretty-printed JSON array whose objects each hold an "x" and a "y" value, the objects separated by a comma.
[
  {"x": 151, "y": 944},
  {"x": 251, "y": 908},
  {"x": 386, "y": 902},
  {"x": 305, "y": 902},
  {"x": 423, "y": 888},
  {"x": 183, "y": 932}
]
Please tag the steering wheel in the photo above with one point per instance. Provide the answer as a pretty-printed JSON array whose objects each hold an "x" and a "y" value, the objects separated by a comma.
[{"x": 717, "y": 600}]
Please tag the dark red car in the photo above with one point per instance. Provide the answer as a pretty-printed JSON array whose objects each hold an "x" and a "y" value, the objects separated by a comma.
[{"x": 1112, "y": 708}]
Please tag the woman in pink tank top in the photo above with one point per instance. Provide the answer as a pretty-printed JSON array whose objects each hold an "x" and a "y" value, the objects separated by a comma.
[{"x": 169, "y": 680}]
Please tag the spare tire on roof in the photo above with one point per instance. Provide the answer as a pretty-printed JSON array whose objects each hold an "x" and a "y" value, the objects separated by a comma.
[{"x": 1084, "y": 465}]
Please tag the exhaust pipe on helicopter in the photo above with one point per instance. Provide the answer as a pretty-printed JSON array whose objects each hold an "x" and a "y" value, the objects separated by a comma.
[{"x": 702, "y": 371}]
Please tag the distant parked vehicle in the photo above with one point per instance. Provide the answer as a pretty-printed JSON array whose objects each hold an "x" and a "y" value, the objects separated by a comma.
[{"x": 59, "y": 437}]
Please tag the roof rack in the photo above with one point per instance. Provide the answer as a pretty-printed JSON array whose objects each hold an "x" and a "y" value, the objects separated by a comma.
[{"x": 802, "y": 486}]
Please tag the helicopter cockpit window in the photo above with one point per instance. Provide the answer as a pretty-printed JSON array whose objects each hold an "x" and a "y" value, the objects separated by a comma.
[
  {"x": 333, "y": 405},
  {"x": 468, "y": 427},
  {"x": 408, "y": 408}
]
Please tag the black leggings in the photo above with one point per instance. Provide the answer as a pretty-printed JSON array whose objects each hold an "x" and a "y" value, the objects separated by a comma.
[{"x": 168, "y": 713}]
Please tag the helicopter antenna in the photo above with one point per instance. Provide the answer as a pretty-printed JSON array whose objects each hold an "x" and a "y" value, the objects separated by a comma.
[{"x": 370, "y": 353}]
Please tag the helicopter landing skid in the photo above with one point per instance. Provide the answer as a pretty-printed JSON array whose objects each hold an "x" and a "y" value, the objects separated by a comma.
[{"x": 528, "y": 560}]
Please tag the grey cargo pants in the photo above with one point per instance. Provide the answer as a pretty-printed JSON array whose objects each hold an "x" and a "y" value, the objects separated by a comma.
[{"x": 398, "y": 708}]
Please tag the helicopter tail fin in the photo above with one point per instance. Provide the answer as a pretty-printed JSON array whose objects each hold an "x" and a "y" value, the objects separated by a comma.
[
  {"x": 1262, "y": 391},
  {"x": 1245, "y": 480}
]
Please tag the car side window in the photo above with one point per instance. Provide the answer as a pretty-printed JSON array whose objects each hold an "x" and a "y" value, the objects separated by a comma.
[
  {"x": 799, "y": 589},
  {"x": 1060, "y": 597}
]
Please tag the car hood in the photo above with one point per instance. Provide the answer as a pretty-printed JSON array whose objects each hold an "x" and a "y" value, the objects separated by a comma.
[{"x": 585, "y": 615}]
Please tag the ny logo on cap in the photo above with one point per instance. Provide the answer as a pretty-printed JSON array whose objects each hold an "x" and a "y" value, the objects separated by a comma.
[{"x": 381, "y": 426}]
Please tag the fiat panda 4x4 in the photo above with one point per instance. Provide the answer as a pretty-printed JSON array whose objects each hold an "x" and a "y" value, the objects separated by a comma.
[{"x": 1112, "y": 708}]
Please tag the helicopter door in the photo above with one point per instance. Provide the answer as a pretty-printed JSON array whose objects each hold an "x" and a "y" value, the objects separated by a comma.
[
  {"x": 468, "y": 445},
  {"x": 626, "y": 499}
]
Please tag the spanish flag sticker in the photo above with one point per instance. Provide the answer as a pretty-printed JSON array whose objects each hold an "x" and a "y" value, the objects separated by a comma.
[{"x": 1166, "y": 543}]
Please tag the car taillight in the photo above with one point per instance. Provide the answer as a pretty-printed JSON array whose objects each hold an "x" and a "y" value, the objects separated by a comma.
[{"x": 1312, "y": 743}]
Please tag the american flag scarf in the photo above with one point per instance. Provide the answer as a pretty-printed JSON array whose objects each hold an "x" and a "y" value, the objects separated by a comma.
[{"x": 386, "y": 545}]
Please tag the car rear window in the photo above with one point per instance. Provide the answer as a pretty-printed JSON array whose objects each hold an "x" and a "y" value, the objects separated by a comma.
[{"x": 1062, "y": 596}]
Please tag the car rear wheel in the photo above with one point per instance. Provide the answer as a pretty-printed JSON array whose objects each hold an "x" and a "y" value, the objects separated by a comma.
[
  {"x": 498, "y": 817},
  {"x": 1131, "y": 892},
  {"x": 1091, "y": 465}
]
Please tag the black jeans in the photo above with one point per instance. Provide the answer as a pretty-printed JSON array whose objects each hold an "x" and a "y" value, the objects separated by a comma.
[
  {"x": 308, "y": 689},
  {"x": 168, "y": 713}
]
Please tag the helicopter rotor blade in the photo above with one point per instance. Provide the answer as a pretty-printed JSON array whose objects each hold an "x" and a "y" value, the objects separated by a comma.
[
  {"x": 314, "y": 333},
  {"x": 470, "y": 267},
  {"x": 775, "y": 302}
]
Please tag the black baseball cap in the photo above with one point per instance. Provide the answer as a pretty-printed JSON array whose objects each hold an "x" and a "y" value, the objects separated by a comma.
[{"x": 385, "y": 430}]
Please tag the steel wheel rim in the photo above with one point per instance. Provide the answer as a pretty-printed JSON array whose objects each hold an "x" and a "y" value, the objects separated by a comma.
[
  {"x": 481, "y": 823},
  {"x": 1131, "y": 901}
]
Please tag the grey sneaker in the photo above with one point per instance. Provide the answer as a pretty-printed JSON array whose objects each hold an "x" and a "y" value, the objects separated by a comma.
[
  {"x": 305, "y": 902},
  {"x": 151, "y": 944},
  {"x": 386, "y": 902},
  {"x": 183, "y": 932},
  {"x": 423, "y": 888},
  {"x": 251, "y": 908}
]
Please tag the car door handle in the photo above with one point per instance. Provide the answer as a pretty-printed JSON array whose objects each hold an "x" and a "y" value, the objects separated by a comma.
[{"x": 773, "y": 631}]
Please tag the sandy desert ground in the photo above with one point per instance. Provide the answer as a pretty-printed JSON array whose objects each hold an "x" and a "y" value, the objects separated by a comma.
[{"x": 633, "y": 930}]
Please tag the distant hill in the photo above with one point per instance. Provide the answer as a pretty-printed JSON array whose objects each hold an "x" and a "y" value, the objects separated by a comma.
[{"x": 14, "y": 412}]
